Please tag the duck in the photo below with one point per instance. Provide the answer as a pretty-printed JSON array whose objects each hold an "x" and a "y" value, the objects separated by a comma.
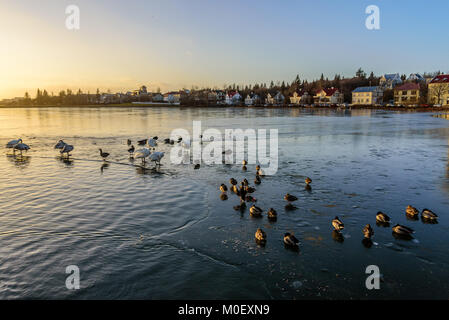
[
  {"x": 402, "y": 230},
  {"x": 250, "y": 189},
  {"x": 142, "y": 154},
  {"x": 242, "y": 192},
  {"x": 428, "y": 214},
  {"x": 250, "y": 199},
  {"x": 233, "y": 181},
  {"x": 290, "y": 240},
  {"x": 60, "y": 144},
  {"x": 411, "y": 212},
  {"x": 244, "y": 162},
  {"x": 131, "y": 150},
  {"x": 257, "y": 180},
  {"x": 67, "y": 149},
  {"x": 290, "y": 198},
  {"x": 337, "y": 224},
  {"x": 104, "y": 155},
  {"x": 223, "y": 188},
  {"x": 142, "y": 142},
  {"x": 245, "y": 182},
  {"x": 235, "y": 189},
  {"x": 308, "y": 181},
  {"x": 368, "y": 232},
  {"x": 272, "y": 214},
  {"x": 382, "y": 217},
  {"x": 12, "y": 143},
  {"x": 260, "y": 235},
  {"x": 255, "y": 211}
]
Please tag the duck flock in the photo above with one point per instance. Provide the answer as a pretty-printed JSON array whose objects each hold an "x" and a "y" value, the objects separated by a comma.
[{"x": 244, "y": 192}]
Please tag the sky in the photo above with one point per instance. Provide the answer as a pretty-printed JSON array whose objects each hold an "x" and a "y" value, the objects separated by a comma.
[{"x": 174, "y": 44}]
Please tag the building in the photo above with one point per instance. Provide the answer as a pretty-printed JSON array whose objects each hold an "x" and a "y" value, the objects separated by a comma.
[
  {"x": 439, "y": 90},
  {"x": 389, "y": 81},
  {"x": 328, "y": 96},
  {"x": 172, "y": 97},
  {"x": 157, "y": 97},
  {"x": 301, "y": 97},
  {"x": 407, "y": 94},
  {"x": 233, "y": 98},
  {"x": 367, "y": 95},
  {"x": 252, "y": 99},
  {"x": 416, "y": 77},
  {"x": 277, "y": 99}
]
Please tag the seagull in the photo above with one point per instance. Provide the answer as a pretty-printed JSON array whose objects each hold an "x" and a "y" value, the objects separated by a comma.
[
  {"x": 104, "y": 155},
  {"x": 67, "y": 148},
  {"x": 142, "y": 154},
  {"x": 60, "y": 145},
  {"x": 156, "y": 157},
  {"x": 21, "y": 147}
]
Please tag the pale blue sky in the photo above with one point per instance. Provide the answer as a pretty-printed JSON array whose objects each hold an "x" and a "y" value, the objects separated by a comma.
[{"x": 171, "y": 44}]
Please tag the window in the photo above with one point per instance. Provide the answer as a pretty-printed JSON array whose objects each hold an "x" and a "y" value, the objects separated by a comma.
[
  {"x": 404, "y": 93},
  {"x": 414, "y": 92}
]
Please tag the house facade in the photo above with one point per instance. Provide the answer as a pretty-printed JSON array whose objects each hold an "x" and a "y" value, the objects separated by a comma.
[
  {"x": 406, "y": 94},
  {"x": 252, "y": 99},
  {"x": 438, "y": 92},
  {"x": 367, "y": 95},
  {"x": 157, "y": 97},
  {"x": 233, "y": 98},
  {"x": 301, "y": 98},
  {"x": 276, "y": 99},
  {"x": 328, "y": 96},
  {"x": 389, "y": 81}
]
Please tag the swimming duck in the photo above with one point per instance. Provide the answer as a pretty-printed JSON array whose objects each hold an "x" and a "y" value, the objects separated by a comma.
[
  {"x": 402, "y": 230},
  {"x": 290, "y": 240},
  {"x": 260, "y": 235},
  {"x": 104, "y": 155},
  {"x": 337, "y": 224},
  {"x": 245, "y": 182},
  {"x": 223, "y": 188},
  {"x": 272, "y": 214},
  {"x": 242, "y": 192},
  {"x": 233, "y": 181},
  {"x": 428, "y": 214},
  {"x": 235, "y": 189},
  {"x": 382, "y": 217},
  {"x": 257, "y": 180},
  {"x": 411, "y": 212},
  {"x": 250, "y": 189},
  {"x": 255, "y": 211},
  {"x": 290, "y": 197},
  {"x": 250, "y": 199},
  {"x": 308, "y": 181},
  {"x": 368, "y": 232}
]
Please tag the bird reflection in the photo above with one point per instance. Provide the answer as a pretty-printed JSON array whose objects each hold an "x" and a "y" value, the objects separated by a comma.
[
  {"x": 19, "y": 160},
  {"x": 428, "y": 221},
  {"x": 402, "y": 236},
  {"x": 104, "y": 166},
  {"x": 367, "y": 242},
  {"x": 66, "y": 160},
  {"x": 337, "y": 236}
]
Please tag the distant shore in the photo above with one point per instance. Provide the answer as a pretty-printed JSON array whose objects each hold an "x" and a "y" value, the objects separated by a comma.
[{"x": 158, "y": 105}]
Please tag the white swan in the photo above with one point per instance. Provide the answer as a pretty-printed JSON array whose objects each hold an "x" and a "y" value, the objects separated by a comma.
[{"x": 142, "y": 154}]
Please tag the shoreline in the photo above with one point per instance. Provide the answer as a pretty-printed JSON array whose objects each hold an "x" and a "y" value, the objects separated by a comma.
[{"x": 158, "y": 105}]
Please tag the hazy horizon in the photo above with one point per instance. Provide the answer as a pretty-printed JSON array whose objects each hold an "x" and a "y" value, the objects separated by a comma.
[{"x": 174, "y": 44}]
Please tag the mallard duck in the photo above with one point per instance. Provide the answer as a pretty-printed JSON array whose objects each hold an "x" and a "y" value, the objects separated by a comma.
[
  {"x": 260, "y": 235},
  {"x": 428, "y": 214},
  {"x": 245, "y": 182},
  {"x": 308, "y": 180},
  {"x": 411, "y": 211},
  {"x": 235, "y": 189},
  {"x": 240, "y": 207},
  {"x": 255, "y": 211},
  {"x": 250, "y": 189},
  {"x": 368, "y": 232},
  {"x": 402, "y": 230},
  {"x": 290, "y": 240},
  {"x": 233, "y": 181},
  {"x": 257, "y": 180},
  {"x": 290, "y": 197},
  {"x": 382, "y": 217},
  {"x": 250, "y": 199},
  {"x": 337, "y": 224},
  {"x": 242, "y": 192},
  {"x": 223, "y": 188},
  {"x": 272, "y": 214}
]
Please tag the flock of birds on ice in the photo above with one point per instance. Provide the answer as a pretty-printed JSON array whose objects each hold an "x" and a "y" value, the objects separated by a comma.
[{"x": 244, "y": 191}]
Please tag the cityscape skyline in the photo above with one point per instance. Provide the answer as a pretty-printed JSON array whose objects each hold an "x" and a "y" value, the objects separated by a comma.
[{"x": 174, "y": 45}]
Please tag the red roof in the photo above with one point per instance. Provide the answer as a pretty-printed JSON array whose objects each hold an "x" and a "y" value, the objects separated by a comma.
[
  {"x": 442, "y": 78},
  {"x": 408, "y": 86},
  {"x": 329, "y": 91}
]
